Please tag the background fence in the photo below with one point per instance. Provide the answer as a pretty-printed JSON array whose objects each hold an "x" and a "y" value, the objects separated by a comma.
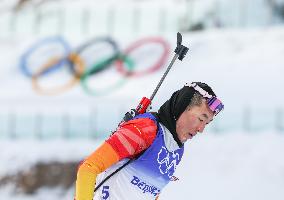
[
  {"x": 95, "y": 122},
  {"x": 135, "y": 17}
]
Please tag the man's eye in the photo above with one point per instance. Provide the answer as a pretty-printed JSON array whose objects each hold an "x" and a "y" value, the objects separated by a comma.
[{"x": 200, "y": 119}]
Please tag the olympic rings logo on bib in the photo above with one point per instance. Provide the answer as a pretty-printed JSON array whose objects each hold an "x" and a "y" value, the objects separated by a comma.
[{"x": 54, "y": 66}]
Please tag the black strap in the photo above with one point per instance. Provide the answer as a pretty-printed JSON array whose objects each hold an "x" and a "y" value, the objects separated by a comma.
[
  {"x": 125, "y": 164},
  {"x": 113, "y": 173},
  {"x": 118, "y": 169}
]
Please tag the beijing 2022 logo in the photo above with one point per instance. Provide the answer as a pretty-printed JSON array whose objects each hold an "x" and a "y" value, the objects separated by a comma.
[{"x": 168, "y": 162}]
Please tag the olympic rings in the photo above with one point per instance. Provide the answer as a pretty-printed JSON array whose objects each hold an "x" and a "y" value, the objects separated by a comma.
[{"x": 83, "y": 66}]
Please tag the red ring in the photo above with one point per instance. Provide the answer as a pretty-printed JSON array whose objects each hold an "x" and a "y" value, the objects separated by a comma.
[{"x": 119, "y": 64}]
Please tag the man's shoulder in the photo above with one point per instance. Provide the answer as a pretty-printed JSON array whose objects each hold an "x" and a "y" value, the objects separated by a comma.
[{"x": 143, "y": 121}]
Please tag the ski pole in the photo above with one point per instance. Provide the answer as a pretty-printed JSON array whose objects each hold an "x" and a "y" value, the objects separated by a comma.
[{"x": 180, "y": 52}]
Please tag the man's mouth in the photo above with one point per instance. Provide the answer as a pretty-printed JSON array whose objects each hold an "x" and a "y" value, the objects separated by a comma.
[{"x": 190, "y": 135}]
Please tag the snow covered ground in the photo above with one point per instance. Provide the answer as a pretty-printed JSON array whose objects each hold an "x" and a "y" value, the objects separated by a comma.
[{"x": 219, "y": 167}]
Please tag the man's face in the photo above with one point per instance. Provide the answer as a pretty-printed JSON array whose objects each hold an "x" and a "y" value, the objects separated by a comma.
[{"x": 193, "y": 120}]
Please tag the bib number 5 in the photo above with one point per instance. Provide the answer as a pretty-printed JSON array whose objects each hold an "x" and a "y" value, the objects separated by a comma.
[{"x": 105, "y": 192}]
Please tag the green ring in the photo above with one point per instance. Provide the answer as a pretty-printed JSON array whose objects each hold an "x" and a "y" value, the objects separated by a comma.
[{"x": 101, "y": 65}]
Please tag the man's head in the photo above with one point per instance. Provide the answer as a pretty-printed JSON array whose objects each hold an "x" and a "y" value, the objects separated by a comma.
[
  {"x": 199, "y": 112},
  {"x": 189, "y": 110}
]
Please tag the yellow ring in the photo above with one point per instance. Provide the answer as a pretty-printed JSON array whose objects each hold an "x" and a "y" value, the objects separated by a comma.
[{"x": 79, "y": 70}]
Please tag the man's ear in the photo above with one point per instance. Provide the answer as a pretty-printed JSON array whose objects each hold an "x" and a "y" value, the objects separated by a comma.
[{"x": 188, "y": 108}]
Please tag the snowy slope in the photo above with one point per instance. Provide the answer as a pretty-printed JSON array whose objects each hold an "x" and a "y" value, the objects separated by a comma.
[{"x": 218, "y": 167}]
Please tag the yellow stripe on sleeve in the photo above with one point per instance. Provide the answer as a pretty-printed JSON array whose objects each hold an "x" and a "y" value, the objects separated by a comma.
[{"x": 96, "y": 163}]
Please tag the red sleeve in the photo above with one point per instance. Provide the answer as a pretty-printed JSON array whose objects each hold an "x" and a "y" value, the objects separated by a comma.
[{"x": 133, "y": 137}]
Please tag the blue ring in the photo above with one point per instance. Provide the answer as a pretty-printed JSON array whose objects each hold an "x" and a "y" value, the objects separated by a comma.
[{"x": 24, "y": 58}]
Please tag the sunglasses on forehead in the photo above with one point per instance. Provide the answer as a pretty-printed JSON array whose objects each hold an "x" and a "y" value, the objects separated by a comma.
[{"x": 213, "y": 102}]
